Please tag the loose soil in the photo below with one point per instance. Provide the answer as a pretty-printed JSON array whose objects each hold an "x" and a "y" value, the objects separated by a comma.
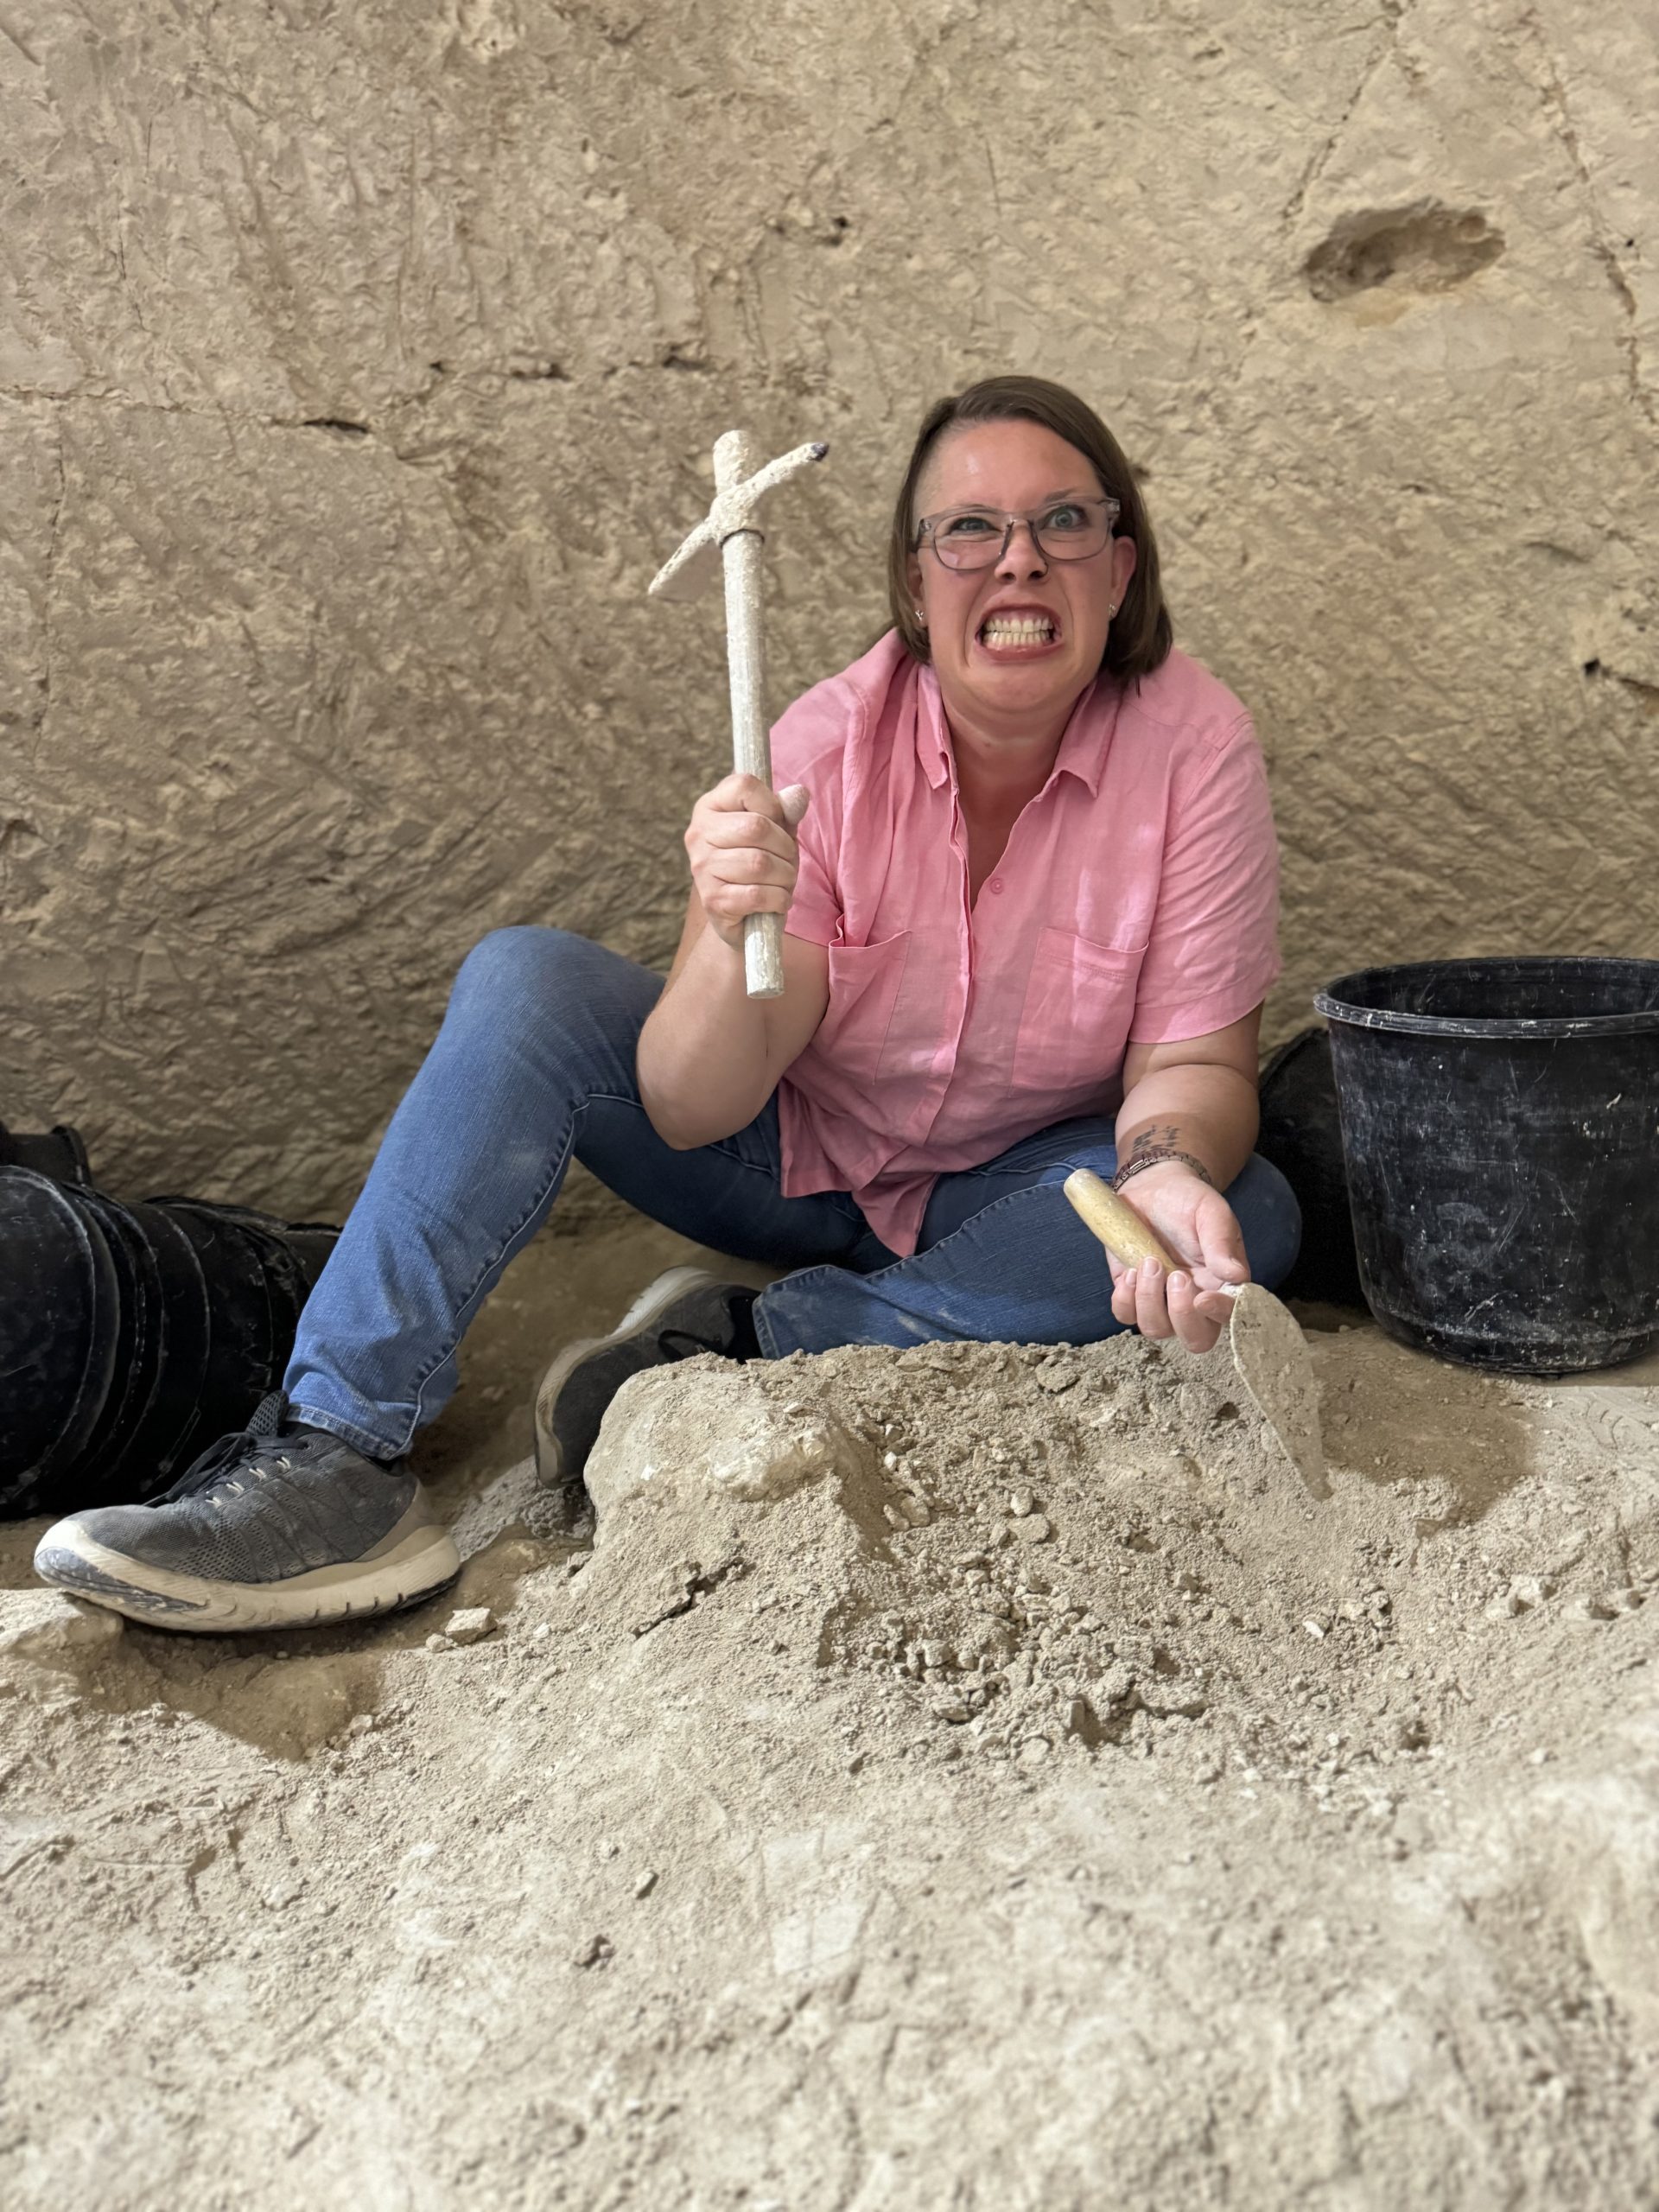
[{"x": 978, "y": 1777}]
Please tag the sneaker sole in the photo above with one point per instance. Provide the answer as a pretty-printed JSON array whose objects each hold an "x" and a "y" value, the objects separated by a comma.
[
  {"x": 652, "y": 1302},
  {"x": 408, "y": 1566}
]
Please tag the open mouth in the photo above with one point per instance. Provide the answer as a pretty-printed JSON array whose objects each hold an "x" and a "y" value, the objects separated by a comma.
[{"x": 1007, "y": 633}]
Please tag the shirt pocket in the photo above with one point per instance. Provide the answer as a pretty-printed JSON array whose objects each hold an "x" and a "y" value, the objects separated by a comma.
[
  {"x": 1074, "y": 1026},
  {"x": 864, "y": 985}
]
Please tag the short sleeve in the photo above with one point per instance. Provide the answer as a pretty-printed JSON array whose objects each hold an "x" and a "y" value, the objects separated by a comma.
[
  {"x": 1213, "y": 951},
  {"x": 809, "y": 745}
]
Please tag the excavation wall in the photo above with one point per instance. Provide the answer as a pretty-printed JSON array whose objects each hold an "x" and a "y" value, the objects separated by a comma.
[{"x": 358, "y": 366}]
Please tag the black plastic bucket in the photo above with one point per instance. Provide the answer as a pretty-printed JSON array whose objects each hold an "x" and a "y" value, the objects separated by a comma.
[
  {"x": 59, "y": 1329},
  {"x": 1499, "y": 1125},
  {"x": 132, "y": 1336}
]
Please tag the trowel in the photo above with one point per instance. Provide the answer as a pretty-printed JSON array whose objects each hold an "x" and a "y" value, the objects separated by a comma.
[{"x": 1269, "y": 1351}]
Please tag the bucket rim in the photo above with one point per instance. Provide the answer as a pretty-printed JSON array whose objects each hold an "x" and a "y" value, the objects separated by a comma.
[{"x": 1336, "y": 1003}]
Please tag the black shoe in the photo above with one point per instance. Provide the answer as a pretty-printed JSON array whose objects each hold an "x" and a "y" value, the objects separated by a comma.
[
  {"x": 277, "y": 1527},
  {"x": 682, "y": 1314}
]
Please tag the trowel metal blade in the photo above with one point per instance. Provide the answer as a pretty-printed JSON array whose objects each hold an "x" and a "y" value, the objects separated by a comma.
[{"x": 1270, "y": 1354}]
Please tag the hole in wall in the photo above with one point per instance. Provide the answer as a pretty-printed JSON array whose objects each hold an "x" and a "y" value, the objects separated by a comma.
[{"x": 1421, "y": 248}]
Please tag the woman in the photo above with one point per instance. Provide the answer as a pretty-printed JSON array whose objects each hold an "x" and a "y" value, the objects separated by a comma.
[{"x": 1026, "y": 856}]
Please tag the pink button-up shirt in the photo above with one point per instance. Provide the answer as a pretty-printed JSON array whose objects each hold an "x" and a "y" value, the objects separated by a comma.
[{"x": 1136, "y": 901}]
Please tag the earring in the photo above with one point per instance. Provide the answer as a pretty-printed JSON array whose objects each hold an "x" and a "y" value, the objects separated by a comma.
[{"x": 921, "y": 618}]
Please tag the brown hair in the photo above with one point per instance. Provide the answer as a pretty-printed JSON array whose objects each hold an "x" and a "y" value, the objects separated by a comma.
[{"x": 1141, "y": 635}]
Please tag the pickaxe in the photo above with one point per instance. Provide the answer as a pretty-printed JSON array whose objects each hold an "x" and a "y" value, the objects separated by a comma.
[{"x": 730, "y": 533}]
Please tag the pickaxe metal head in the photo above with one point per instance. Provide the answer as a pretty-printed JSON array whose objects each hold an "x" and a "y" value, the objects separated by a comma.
[{"x": 698, "y": 561}]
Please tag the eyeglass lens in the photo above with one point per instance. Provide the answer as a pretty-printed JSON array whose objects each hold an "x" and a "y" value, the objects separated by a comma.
[{"x": 972, "y": 538}]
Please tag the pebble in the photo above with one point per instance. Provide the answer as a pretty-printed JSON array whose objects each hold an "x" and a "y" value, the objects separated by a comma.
[
  {"x": 597, "y": 1951},
  {"x": 436, "y": 1643},
  {"x": 646, "y": 1883},
  {"x": 469, "y": 1624},
  {"x": 1315, "y": 1629},
  {"x": 1021, "y": 1502},
  {"x": 1033, "y": 1529},
  {"x": 1034, "y": 1751}
]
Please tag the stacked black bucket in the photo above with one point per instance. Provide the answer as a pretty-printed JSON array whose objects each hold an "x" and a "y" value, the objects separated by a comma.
[{"x": 131, "y": 1334}]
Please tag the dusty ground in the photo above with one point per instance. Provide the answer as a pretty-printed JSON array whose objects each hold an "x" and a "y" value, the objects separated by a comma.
[{"x": 967, "y": 1778}]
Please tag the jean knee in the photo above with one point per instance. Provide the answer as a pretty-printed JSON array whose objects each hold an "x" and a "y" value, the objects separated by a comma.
[
  {"x": 1269, "y": 1217},
  {"x": 526, "y": 962}
]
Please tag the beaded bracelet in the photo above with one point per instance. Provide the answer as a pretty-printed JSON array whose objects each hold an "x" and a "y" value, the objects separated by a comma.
[{"x": 1156, "y": 1159}]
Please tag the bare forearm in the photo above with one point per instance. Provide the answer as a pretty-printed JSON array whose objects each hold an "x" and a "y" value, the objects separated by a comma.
[
  {"x": 703, "y": 1062},
  {"x": 1210, "y": 1111}
]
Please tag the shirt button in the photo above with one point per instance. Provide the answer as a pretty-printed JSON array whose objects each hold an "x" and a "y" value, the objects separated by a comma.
[{"x": 996, "y": 883}]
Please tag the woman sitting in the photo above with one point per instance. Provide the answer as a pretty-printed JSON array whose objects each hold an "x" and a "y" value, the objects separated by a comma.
[{"x": 1025, "y": 854}]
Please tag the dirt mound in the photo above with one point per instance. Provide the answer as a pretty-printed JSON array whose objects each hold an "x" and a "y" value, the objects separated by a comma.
[{"x": 975, "y": 1777}]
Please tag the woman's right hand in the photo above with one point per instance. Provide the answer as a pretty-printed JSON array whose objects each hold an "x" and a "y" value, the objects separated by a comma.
[{"x": 741, "y": 843}]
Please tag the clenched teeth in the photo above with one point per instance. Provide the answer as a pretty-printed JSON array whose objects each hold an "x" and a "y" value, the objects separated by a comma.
[{"x": 1019, "y": 630}]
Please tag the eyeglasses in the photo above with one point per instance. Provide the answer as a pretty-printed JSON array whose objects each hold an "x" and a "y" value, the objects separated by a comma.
[{"x": 978, "y": 538}]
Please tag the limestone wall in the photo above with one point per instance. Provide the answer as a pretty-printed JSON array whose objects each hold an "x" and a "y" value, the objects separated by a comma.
[{"x": 359, "y": 365}]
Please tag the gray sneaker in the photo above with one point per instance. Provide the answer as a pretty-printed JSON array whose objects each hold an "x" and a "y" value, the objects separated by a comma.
[
  {"x": 277, "y": 1527},
  {"x": 683, "y": 1313}
]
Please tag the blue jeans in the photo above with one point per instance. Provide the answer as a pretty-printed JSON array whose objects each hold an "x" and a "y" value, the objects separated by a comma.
[{"x": 535, "y": 1065}]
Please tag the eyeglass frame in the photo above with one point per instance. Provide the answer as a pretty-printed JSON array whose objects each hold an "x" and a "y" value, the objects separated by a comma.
[{"x": 1011, "y": 522}]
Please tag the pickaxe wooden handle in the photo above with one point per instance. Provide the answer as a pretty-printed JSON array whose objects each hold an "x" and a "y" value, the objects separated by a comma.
[{"x": 730, "y": 534}]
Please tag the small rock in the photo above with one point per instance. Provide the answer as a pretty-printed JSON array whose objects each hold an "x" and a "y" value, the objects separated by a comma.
[
  {"x": 646, "y": 1883},
  {"x": 1316, "y": 1630},
  {"x": 469, "y": 1625},
  {"x": 1021, "y": 1502},
  {"x": 1034, "y": 1751},
  {"x": 436, "y": 1643},
  {"x": 916, "y": 1510},
  {"x": 597, "y": 1951},
  {"x": 952, "y": 1710},
  {"x": 1033, "y": 1529},
  {"x": 540, "y": 1633},
  {"x": 52, "y": 1631}
]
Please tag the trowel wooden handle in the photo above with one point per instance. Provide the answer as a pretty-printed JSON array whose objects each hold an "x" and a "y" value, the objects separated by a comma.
[{"x": 1117, "y": 1223}]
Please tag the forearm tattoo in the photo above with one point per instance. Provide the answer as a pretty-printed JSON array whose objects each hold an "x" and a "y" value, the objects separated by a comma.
[{"x": 1160, "y": 1135}]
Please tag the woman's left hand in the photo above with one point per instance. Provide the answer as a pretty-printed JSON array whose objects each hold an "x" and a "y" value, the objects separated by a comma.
[{"x": 1198, "y": 1227}]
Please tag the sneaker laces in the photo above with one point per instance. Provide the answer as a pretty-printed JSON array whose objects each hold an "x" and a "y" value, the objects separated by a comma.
[{"x": 265, "y": 1426}]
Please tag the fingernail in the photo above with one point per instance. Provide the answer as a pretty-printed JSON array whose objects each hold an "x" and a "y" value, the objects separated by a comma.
[
  {"x": 1152, "y": 1270},
  {"x": 1179, "y": 1282}
]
